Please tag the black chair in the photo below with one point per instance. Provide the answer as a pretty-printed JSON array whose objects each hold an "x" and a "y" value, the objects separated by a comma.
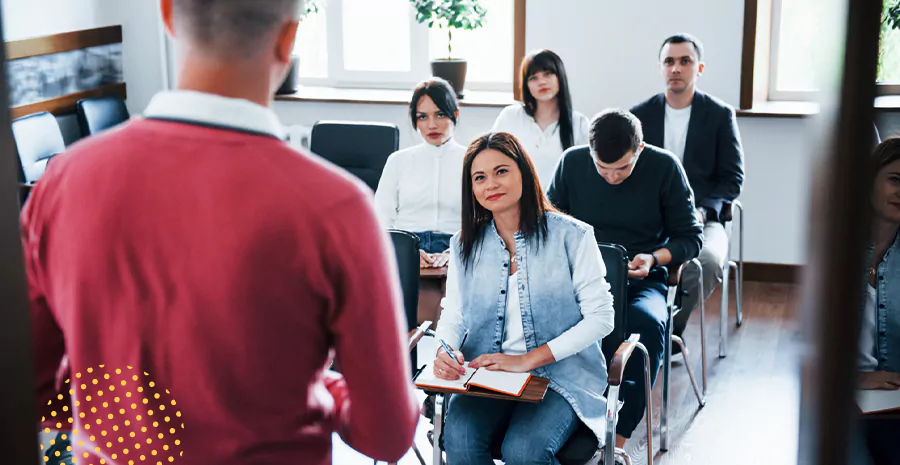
[
  {"x": 38, "y": 139},
  {"x": 358, "y": 147},
  {"x": 618, "y": 348},
  {"x": 99, "y": 114},
  {"x": 406, "y": 247}
]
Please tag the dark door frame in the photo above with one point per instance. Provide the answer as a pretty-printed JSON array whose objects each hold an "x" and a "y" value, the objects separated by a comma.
[{"x": 18, "y": 422}]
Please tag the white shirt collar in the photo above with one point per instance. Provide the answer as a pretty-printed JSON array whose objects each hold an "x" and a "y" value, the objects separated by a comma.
[
  {"x": 448, "y": 146},
  {"x": 215, "y": 110}
]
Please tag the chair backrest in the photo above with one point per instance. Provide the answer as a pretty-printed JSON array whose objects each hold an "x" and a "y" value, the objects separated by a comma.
[
  {"x": 406, "y": 247},
  {"x": 358, "y": 147},
  {"x": 99, "y": 114},
  {"x": 615, "y": 257},
  {"x": 38, "y": 138}
]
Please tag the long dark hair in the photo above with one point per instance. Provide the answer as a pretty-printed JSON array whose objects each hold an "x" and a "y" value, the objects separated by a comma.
[
  {"x": 887, "y": 152},
  {"x": 533, "y": 205},
  {"x": 545, "y": 60},
  {"x": 441, "y": 93}
]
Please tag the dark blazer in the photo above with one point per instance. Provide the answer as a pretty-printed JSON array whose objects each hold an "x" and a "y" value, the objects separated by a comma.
[{"x": 713, "y": 157}]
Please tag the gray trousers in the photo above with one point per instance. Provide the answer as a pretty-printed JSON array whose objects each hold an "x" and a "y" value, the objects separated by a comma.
[{"x": 712, "y": 258}]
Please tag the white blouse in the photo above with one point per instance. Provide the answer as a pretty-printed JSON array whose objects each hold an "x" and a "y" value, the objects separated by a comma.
[
  {"x": 591, "y": 293},
  {"x": 544, "y": 147},
  {"x": 420, "y": 189}
]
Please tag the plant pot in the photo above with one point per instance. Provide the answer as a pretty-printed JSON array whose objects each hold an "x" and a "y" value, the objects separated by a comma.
[
  {"x": 452, "y": 70},
  {"x": 291, "y": 82}
]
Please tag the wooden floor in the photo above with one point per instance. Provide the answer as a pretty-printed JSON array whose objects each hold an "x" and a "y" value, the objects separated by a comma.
[
  {"x": 752, "y": 409},
  {"x": 751, "y": 415}
]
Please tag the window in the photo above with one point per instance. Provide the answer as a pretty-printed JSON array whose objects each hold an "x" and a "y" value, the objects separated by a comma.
[
  {"x": 797, "y": 55},
  {"x": 379, "y": 44}
]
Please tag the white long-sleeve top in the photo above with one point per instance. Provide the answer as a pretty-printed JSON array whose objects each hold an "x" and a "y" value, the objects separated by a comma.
[
  {"x": 420, "y": 188},
  {"x": 591, "y": 293},
  {"x": 544, "y": 147}
]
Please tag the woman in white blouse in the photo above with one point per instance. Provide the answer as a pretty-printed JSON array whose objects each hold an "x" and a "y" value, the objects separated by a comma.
[
  {"x": 419, "y": 190},
  {"x": 544, "y": 123}
]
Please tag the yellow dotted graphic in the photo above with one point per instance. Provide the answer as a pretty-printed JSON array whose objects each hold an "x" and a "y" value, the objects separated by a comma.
[{"x": 127, "y": 420}]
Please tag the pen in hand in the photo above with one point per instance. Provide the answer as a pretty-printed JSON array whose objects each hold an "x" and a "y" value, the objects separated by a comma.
[{"x": 449, "y": 351}]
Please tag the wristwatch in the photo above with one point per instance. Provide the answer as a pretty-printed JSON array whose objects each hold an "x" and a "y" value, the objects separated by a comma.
[{"x": 655, "y": 260}]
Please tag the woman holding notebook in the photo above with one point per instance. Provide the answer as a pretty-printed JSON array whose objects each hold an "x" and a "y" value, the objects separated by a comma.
[
  {"x": 879, "y": 349},
  {"x": 528, "y": 284}
]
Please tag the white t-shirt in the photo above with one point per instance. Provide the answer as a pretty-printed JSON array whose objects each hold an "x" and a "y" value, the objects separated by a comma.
[
  {"x": 514, "y": 334},
  {"x": 544, "y": 147},
  {"x": 867, "y": 360},
  {"x": 420, "y": 189},
  {"x": 676, "y": 126}
]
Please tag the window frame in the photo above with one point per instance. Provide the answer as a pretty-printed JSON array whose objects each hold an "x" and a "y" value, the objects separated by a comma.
[
  {"x": 759, "y": 65},
  {"x": 420, "y": 61}
]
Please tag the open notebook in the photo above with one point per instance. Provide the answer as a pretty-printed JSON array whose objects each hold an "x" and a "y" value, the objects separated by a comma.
[
  {"x": 512, "y": 384},
  {"x": 873, "y": 401}
]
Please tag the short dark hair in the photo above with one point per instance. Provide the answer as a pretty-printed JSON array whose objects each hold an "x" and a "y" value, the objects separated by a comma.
[
  {"x": 533, "y": 205},
  {"x": 234, "y": 27},
  {"x": 440, "y": 92},
  {"x": 546, "y": 60},
  {"x": 615, "y": 132},
  {"x": 682, "y": 38}
]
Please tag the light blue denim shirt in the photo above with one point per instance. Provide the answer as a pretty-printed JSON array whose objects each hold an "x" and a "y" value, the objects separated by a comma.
[
  {"x": 549, "y": 306},
  {"x": 887, "y": 310}
]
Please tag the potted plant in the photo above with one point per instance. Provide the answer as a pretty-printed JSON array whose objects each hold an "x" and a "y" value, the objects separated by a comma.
[
  {"x": 291, "y": 82},
  {"x": 450, "y": 14}
]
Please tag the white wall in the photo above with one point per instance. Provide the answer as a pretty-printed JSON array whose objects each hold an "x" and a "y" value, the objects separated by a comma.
[
  {"x": 23, "y": 19},
  {"x": 142, "y": 42}
]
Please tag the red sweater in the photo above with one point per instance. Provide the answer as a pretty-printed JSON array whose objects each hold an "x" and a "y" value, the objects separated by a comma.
[{"x": 216, "y": 269}]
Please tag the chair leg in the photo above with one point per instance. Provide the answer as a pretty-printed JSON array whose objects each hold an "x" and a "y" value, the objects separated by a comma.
[
  {"x": 612, "y": 417},
  {"x": 738, "y": 291},
  {"x": 723, "y": 315},
  {"x": 700, "y": 289},
  {"x": 701, "y": 398},
  {"x": 648, "y": 391},
  {"x": 438, "y": 456},
  {"x": 667, "y": 369},
  {"x": 740, "y": 277},
  {"x": 415, "y": 449}
]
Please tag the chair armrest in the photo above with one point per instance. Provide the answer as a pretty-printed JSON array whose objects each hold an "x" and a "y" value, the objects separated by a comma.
[
  {"x": 616, "y": 371},
  {"x": 416, "y": 335},
  {"x": 675, "y": 271}
]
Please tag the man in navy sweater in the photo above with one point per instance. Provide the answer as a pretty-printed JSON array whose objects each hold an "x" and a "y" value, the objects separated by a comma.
[{"x": 637, "y": 196}]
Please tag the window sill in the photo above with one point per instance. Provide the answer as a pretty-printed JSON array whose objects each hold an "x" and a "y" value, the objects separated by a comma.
[
  {"x": 793, "y": 109},
  {"x": 389, "y": 97},
  {"x": 780, "y": 109},
  {"x": 888, "y": 103}
]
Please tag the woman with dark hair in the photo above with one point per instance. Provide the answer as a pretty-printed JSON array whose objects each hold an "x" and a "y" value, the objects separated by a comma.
[
  {"x": 419, "y": 188},
  {"x": 528, "y": 285},
  {"x": 544, "y": 122},
  {"x": 879, "y": 348}
]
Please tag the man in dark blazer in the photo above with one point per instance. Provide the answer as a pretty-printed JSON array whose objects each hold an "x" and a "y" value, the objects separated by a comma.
[{"x": 702, "y": 132}]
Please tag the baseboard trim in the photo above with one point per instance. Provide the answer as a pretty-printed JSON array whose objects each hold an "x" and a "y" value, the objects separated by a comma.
[{"x": 772, "y": 273}]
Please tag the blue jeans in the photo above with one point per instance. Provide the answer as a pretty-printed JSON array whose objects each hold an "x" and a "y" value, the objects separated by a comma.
[
  {"x": 433, "y": 242},
  {"x": 647, "y": 315},
  {"x": 530, "y": 433}
]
